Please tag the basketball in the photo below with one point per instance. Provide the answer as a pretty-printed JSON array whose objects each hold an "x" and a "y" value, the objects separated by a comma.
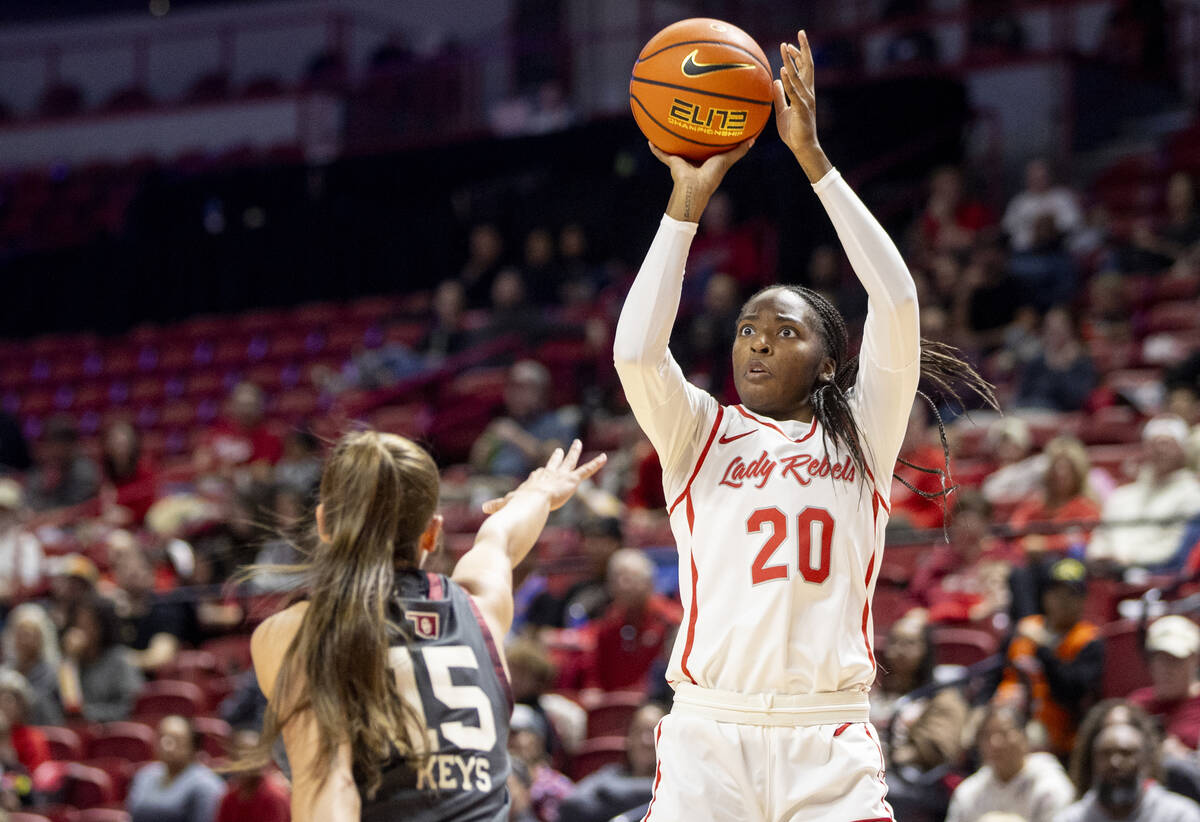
[{"x": 700, "y": 87}]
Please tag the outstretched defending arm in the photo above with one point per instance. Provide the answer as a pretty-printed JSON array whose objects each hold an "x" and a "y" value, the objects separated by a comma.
[
  {"x": 674, "y": 414},
  {"x": 889, "y": 361}
]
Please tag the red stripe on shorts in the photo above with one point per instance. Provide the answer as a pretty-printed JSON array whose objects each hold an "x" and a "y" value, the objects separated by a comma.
[
  {"x": 841, "y": 729},
  {"x": 657, "y": 774}
]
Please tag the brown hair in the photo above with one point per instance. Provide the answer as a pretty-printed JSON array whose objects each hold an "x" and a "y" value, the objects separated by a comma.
[
  {"x": 379, "y": 492},
  {"x": 1096, "y": 720},
  {"x": 1073, "y": 451}
]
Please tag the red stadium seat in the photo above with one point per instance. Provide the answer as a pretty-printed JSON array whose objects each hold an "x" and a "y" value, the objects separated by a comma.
[
  {"x": 133, "y": 741},
  {"x": 103, "y": 815},
  {"x": 232, "y": 652},
  {"x": 28, "y": 817},
  {"x": 216, "y": 734},
  {"x": 65, "y": 744},
  {"x": 165, "y": 697},
  {"x": 192, "y": 666},
  {"x": 610, "y": 714},
  {"x": 120, "y": 771},
  {"x": 1125, "y": 668},
  {"x": 88, "y": 787},
  {"x": 1172, "y": 316},
  {"x": 963, "y": 646},
  {"x": 410, "y": 420},
  {"x": 594, "y": 754}
]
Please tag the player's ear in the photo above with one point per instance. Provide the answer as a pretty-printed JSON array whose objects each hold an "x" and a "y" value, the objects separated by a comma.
[
  {"x": 828, "y": 370},
  {"x": 322, "y": 532},
  {"x": 428, "y": 541}
]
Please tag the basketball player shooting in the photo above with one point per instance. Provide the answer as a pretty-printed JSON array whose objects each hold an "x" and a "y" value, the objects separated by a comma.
[{"x": 778, "y": 505}]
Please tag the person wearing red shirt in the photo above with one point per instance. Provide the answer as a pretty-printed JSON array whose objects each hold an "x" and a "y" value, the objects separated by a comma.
[
  {"x": 916, "y": 500},
  {"x": 129, "y": 482},
  {"x": 1173, "y": 645},
  {"x": 950, "y": 221},
  {"x": 260, "y": 795},
  {"x": 1065, "y": 501},
  {"x": 29, "y": 742},
  {"x": 722, "y": 247},
  {"x": 634, "y": 630},
  {"x": 242, "y": 438}
]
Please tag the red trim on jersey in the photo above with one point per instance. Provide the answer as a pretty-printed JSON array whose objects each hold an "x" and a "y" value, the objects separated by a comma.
[
  {"x": 700, "y": 462},
  {"x": 875, "y": 490},
  {"x": 841, "y": 730},
  {"x": 695, "y": 611},
  {"x": 657, "y": 775},
  {"x": 882, "y": 772},
  {"x": 812, "y": 429},
  {"x": 867, "y": 610},
  {"x": 492, "y": 652},
  {"x": 435, "y": 585}
]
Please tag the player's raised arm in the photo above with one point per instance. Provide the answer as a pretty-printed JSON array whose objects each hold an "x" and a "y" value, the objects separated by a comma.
[
  {"x": 672, "y": 412},
  {"x": 485, "y": 571},
  {"x": 891, "y": 349}
]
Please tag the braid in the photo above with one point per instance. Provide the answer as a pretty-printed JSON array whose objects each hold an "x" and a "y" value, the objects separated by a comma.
[{"x": 941, "y": 367}]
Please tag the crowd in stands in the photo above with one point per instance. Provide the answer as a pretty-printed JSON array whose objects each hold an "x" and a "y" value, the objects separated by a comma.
[{"x": 1008, "y": 613}]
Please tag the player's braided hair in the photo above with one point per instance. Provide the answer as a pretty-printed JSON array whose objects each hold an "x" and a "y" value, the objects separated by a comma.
[{"x": 941, "y": 367}]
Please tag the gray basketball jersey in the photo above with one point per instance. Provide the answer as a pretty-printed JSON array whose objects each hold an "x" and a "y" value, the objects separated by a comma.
[{"x": 450, "y": 662}]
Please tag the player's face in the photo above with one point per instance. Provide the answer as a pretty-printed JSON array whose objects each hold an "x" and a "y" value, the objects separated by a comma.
[{"x": 779, "y": 354}]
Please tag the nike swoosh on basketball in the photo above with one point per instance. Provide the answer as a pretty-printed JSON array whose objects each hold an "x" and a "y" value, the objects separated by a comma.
[
  {"x": 692, "y": 68},
  {"x": 725, "y": 440}
]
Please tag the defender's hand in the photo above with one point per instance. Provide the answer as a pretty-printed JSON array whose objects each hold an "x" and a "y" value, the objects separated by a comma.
[{"x": 557, "y": 480}]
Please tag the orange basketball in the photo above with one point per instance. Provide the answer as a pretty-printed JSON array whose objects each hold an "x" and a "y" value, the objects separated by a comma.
[{"x": 700, "y": 87}]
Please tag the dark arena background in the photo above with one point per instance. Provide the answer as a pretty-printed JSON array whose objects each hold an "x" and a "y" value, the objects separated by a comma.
[{"x": 231, "y": 232}]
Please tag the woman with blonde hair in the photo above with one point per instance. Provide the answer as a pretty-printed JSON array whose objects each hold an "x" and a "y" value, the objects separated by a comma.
[
  {"x": 1065, "y": 506},
  {"x": 385, "y": 684},
  {"x": 30, "y": 645}
]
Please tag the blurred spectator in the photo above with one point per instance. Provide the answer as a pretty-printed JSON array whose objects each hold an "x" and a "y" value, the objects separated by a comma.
[
  {"x": 1136, "y": 38},
  {"x": 300, "y": 465},
  {"x": 1108, "y": 312},
  {"x": 527, "y": 742},
  {"x": 582, "y": 277},
  {"x": 1124, "y": 758},
  {"x": 1165, "y": 494},
  {"x": 1061, "y": 376},
  {"x": 253, "y": 796},
  {"x": 1033, "y": 786},
  {"x": 152, "y": 625},
  {"x": 1056, "y": 658},
  {"x": 448, "y": 335},
  {"x": 1009, "y": 443},
  {"x": 242, "y": 439},
  {"x": 529, "y": 431},
  {"x": 1179, "y": 236},
  {"x": 1045, "y": 271},
  {"x": 615, "y": 789},
  {"x": 16, "y": 697},
  {"x": 995, "y": 30},
  {"x": 1040, "y": 197},
  {"x": 633, "y": 631},
  {"x": 722, "y": 245},
  {"x": 485, "y": 249},
  {"x": 1173, "y": 645},
  {"x": 30, "y": 644},
  {"x": 73, "y": 578},
  {"x": 951, "y": 221},
  {"x": 96, "y": 678},
  {"x": 1065, "y": 500},
  {"x": 988, "y": 297},
  {"x": 176, "y": 787},
  {"x": 289, "y": 515},
  {"x": 588, "y": 598},
  {"x": 540, "y": 270},
  {"x": 1102, "y": 715},
  {"x": 511, "y": 313},
  {"x": 827, "y": 275},
  {"x": 63, "y": 476},
  {"x": 21, "y": 558},
  {"x": 14, "y": 451},
  {"x": 703, "y": 341},
  {"x": 923, "y": 507},
  {"x": 968, "y": 579},
  {"x": 520, "y": 780},
  {"x": 246, "y": 706},
  {"x": 532, "y": 673},
  {"x": 16, "y": 785},
  {"x": 129, "y": 480},
  {"x": 924, "y": 730}
]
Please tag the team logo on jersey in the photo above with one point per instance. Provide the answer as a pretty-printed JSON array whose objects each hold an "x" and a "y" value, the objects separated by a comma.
[
  {"x": 803, "y": 468},
  {"x": 426, "y": 624}
]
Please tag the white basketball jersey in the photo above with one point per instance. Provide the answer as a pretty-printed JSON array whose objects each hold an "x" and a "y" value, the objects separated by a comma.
[{"x": 779, "y": 548}]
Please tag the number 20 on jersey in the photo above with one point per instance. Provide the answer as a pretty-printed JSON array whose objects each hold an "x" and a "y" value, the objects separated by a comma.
[{"x": 814, "y": 543}]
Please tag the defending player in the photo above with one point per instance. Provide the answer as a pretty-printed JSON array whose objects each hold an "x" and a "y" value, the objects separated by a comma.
[
  {"x": 386, "y": 685},
  {"x": 778, "y": 506}
]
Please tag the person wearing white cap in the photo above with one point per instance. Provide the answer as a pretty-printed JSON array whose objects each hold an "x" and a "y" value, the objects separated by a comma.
[
  {"x": 1173, "y": 645},
  {"x": 21, "y": 556},
  {"x": 1157, "y": 504}
]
